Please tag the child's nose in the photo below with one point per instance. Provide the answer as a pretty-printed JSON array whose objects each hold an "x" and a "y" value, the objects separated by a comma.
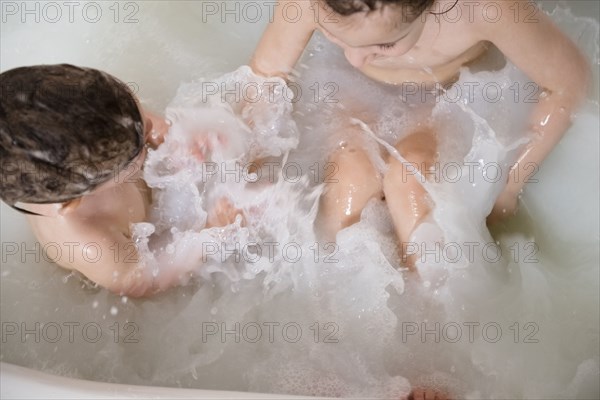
[{"x": 357, "y": 57}]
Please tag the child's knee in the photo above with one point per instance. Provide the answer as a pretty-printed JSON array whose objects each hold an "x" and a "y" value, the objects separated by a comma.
[
  {"x": 419, "y": 152},
  {"x": 405, "y": 174},
  {"x": 405, "y": 181},
  {"x": 419, "y": 148},
  {"x": 351, "y": 166},
  {"x": 358, "y": 184}
]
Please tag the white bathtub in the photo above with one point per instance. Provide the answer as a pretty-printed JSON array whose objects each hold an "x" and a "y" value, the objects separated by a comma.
[
  {"x": 24, "y": 383},
  {"x": 138, "y": 60}
]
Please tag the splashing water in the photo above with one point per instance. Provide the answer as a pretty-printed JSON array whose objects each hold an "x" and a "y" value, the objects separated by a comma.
[{"x": 272, "y": 309}]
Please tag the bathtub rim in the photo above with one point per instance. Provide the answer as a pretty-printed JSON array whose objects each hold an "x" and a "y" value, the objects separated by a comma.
[{"x": 18, "y": 382}]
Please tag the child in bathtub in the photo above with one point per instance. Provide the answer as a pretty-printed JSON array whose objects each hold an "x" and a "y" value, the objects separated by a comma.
[
  {"x": 397, "y": 41},
  {"x": 73, "y": 142}
]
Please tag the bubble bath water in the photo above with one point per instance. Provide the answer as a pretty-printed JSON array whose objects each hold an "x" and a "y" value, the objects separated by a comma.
[{"x": 274, "y": 310}]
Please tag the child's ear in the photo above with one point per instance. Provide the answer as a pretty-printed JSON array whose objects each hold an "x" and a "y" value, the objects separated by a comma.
[
  {"x": 155, "y": 130},
  {"x": 148, "y": 126},
  {"x": 69, "y": 206}
]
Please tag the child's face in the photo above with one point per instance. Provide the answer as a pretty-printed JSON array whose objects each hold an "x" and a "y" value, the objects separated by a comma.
[{"x": 365, "y": 38}]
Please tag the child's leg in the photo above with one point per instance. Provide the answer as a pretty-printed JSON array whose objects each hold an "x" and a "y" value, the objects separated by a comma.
[
  {"x": 404, "y": 193},
  {"x": 354, "y": 183}
]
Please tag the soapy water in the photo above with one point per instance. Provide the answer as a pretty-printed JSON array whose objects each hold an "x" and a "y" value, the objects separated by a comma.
[
  {"x": 347, "y": 320},
  {"x": 423, "y": 322}
]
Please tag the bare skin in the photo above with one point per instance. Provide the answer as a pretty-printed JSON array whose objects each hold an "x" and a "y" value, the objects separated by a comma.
[
  {"x": 427, "y": 394},
  {"x": 388, "y": 47},
  {"x": 102, "y": 219}
]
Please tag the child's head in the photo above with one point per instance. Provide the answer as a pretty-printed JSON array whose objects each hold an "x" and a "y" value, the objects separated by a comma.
[
  {"x": 64, "y": 130},
  {"x": 371, "y": 29},
  {"x": 349, "y": 7}
]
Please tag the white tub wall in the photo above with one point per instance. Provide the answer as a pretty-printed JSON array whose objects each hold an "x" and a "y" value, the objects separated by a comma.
[
  {"x": 24, "y": 383},
  {"x": 169, "y": 36},
  {"x": 583, "y": 8}
]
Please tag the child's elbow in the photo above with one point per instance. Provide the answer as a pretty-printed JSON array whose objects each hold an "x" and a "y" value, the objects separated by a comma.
[
  {"x": 135, "y": 291},
  {"x": 133, "y": 284},
  {"x": 138, "y": 283}
]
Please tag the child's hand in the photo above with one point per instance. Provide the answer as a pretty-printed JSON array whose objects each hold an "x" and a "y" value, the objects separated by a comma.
[
  {"x": 203, "y": 146},
  {"x": 200, "y": 148},
  {"x": 223, "y": 213},
  {"x": 506, "y": 206}
]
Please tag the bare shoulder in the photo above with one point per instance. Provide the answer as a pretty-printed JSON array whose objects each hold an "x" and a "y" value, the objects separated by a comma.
[
  {"x": 94, "y": 248},
  {"x": 77, "y": 243},
  {"x": 493, "y": 17},
  {"x": 303, "y": 12},
  {"x": 533, "y": 42},
  {"x": 290, "y": 28}
]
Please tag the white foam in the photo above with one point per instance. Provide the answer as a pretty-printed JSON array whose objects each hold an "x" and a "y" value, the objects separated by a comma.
[{"x": 353, "y": 303}]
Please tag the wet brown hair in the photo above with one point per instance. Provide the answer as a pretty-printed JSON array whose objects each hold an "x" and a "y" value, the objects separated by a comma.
[
  {"x": 63, "y": 131},
  {"x": 349, "y": 7}
]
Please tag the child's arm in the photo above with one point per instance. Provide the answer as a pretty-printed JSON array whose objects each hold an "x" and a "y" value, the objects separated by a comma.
[
  {"x": 110, "y": 258},
  {"x": 112, "y": 261},
  {"x": 549, "y": 58},
  {"x": 284, "y": 39}
]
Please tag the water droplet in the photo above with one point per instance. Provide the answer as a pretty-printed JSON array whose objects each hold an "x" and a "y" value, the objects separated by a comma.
[
  {"x": 95, "y": 304},
  {"x": 114, "y": 310}
]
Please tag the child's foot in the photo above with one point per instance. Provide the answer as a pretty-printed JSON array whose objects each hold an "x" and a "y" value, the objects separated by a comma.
[{"x": 427, "y": 394}]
